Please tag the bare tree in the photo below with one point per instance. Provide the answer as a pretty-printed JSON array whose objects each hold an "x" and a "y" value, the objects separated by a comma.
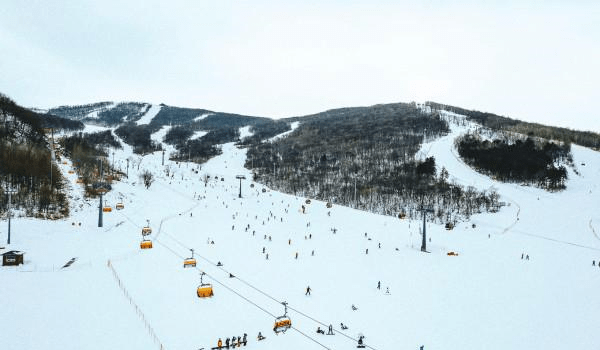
[{"x": 148, "y": 178}]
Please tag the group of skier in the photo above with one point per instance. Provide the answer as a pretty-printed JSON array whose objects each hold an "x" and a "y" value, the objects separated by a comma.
[{"x": 233, "y": 342}]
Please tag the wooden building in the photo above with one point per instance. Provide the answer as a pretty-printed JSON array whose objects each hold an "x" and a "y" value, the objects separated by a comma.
[{"x": 12, "y": 258}]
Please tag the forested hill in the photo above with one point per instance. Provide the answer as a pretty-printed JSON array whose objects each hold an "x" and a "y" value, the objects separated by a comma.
[{"x": 25, "y": 159}]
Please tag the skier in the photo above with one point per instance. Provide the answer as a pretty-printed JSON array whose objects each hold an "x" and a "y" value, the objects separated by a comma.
[
  {"x": 290, "y": 241},
  {"x": 527, "y": 257},
  {"x": 307, "y": 290},
  {"x": 380, "y": 243},
  {"x": 260, "y": 336},
  {"x": 354, "y": 308},
  {"x": 522, "y": 254},
  {"x": 343, "y": 326},
  {"x": 263, "y": 250},
  {"x": 219, "y": 343},
  {"x": 233, "y": 342},
  {"x": 227, "y": 343},
  {"x": 296, "y": 255},
  {"x": 244, "y": 340},
  {"x": 313, "y": 253},
  {"x": 594, "y": 263},
  {"x": 367, "y": 251},
  {"x": 360, "y": 342},
  {"x": 378, "y": 284},
  {"x": 319, "y": 330}
]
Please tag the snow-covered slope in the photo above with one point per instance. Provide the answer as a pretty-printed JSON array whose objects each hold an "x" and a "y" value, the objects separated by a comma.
[
  {"x": 487, "y": 297},
  {"x": 150, "y": 114}
]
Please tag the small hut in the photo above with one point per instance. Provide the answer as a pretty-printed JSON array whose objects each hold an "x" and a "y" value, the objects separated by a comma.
[{"x": 12, "y": 258}]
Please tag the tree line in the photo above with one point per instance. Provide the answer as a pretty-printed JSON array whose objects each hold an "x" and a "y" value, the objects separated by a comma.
[{"x": 522, "y": 161}]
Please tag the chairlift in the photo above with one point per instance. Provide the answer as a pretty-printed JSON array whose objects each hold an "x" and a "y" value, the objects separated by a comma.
[
  {"x": 307, "y": 201},
  {"x": 329, "y": 205},
  {"x": 146, "y": 230},
  {"x": 402, "y": 215},
  {"x": 146, "y": 244},
  {"x": 282, "y": 323},
  {"x": 120, "y": 206},
  {"x": 449, "y": 226},
  {"x": 106, "y": 208},
  {"x": 71, "y": 171},
  {"x": 204, "y": 290},
  {"x": 190, "y": 262},
  {"x": 264, "y": 190}
]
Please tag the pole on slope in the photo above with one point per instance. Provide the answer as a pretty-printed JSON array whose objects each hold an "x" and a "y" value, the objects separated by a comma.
[
  {"x": 424, "y": 210},
  {"x": 10, "y": 193},
  {"x": 101, "y": 197},
  {"x": 163, "y": 158},
  {"x": 240, "y": 177}
]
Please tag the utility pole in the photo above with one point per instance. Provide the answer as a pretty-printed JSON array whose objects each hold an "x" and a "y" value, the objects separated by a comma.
[
  {"x": 10, "y": 193},
  {"x": 163, "y": 159},
  {"x": 113, "y": 164},
  {"x": 128, "y": 165},
  {"x": 240, "y": 177}
]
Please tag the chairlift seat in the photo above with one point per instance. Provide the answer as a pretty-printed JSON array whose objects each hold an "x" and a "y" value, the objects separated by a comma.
[
  {"x": 282, "y": 324},
  {"x": 146, "y": 244},
  {"x": 205, "y": 290},
  {"x": 189, "y": 262}
]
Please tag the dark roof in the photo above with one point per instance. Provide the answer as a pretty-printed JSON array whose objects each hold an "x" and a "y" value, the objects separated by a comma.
[{"x": 13, "y": 252}]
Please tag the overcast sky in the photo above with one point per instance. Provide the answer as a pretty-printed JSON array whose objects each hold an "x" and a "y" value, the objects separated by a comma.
[{"x": 538, "y": 61}]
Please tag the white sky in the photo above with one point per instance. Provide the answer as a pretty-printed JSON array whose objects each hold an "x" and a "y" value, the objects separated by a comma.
[{"x": 537, "y": 61}]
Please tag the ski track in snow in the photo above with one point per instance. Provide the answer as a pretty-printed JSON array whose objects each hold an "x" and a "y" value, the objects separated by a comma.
[
  {"x": 150, "y": 114},
  {"x": 485, "y": 297}
]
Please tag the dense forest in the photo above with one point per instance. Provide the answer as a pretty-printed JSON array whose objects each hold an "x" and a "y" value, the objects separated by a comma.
[
  {"x": 26, "y": 164},
  {"x": 367, "y": 158},
  {"x": 123, "y": 112},
  {"x": 139, "y": 137},
  {"x": 522, "y": 161},
  {"x": 499, "y": 123}
]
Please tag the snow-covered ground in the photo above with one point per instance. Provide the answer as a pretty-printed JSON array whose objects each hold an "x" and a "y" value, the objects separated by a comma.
[
  {"x": 293, "y": 126},
  {"x": 202, "y": 116},
  {"x": 245, "y": 132},
  {"x": 487, "y": 297},
  {"x": 198, "y": 134},
  {"x": 150, "y": 114},
  {"x": 94, "y": 114}
]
